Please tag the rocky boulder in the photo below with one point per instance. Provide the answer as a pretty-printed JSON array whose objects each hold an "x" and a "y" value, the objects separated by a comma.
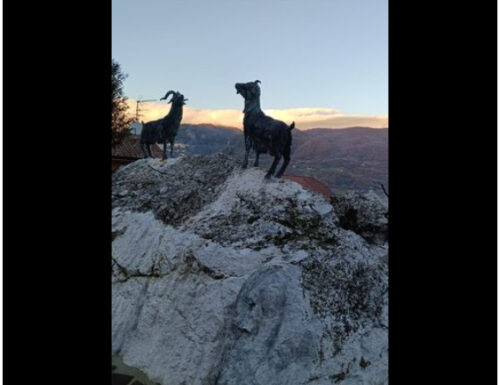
[
  {"x": 365, "y": 214},
  {"x": 222, "y": 277}
]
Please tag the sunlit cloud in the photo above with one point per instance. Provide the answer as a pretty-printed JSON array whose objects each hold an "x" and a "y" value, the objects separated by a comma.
[{"x": 304, "y": 118}]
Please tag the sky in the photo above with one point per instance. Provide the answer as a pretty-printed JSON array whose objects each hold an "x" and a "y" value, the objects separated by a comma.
[{"x": 321, "y": 63}]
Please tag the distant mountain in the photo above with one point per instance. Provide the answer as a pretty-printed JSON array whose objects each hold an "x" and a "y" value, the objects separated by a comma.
[
  {"x": 345, "y": 159},
  {"x": 354, "y": 158},
  {"x": 208, "y": 139}
]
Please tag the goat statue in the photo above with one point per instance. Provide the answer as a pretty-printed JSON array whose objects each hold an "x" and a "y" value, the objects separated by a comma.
[
  {"x": 263, "y": 133},
  {"x": 164, "y": 130}
]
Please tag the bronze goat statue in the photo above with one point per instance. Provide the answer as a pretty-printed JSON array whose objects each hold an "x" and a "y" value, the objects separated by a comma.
[
  {"x": 164, "y": 130},
  {"x": 263, "y": 133}
]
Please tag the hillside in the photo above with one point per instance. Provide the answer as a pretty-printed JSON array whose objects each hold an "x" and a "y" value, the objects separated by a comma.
[{"x": 344, "y": 159}]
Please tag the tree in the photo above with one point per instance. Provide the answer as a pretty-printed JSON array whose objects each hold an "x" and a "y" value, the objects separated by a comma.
[{"x": 120, "y": 122}]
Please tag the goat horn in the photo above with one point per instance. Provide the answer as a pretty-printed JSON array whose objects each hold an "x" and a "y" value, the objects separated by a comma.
[
  {"x": 257, "y": 81},
  {"x": 167, "y": 94}
]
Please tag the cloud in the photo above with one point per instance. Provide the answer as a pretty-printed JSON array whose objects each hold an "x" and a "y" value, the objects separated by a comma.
[{"x": 304, "y": 118}]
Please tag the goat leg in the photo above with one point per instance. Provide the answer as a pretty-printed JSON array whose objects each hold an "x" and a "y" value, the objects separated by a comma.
[
  {"x": 248, "y": 146},
  {"x": 172, "y": 149},
  {"x": 286, "y": 160},
  {"x": 273, "y": 166},
  {"x": 256, "y": 164},
  {"x": 143, "y": 148},
  {"x": 148, "y": 146},
  {"x": 164, "y": 150}
]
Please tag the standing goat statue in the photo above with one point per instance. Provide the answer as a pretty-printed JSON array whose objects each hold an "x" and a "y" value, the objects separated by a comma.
[
  {"x": 263, "y": 133},
  {"x": 164, "y": 130}
]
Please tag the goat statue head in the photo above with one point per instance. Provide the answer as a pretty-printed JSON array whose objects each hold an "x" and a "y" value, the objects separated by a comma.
[
  {"x": 177, "y": 97},
  {"x": 180, "y": 99},
  {"x": 249, "y": 91}
]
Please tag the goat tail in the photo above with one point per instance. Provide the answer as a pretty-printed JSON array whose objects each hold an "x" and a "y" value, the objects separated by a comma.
[{"x": 292, "y": 126}]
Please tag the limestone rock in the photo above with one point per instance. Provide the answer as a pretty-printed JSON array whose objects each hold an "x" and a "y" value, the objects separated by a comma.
[
  {"x": 365, "y": 214},
  {"x": 222, "y": 277}
]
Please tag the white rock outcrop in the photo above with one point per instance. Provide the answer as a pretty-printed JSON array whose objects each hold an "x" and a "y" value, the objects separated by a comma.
[{"x": 223, "y": 278}]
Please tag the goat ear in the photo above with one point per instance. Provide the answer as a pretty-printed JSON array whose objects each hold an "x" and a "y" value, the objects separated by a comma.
[{"x": 292, "y": 126}]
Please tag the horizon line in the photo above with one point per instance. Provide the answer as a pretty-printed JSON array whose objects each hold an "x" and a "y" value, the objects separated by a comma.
[{"x": 304, "y": 117}]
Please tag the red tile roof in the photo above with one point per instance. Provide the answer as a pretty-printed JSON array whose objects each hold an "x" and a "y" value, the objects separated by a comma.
[
  {"x": 130, "y": 148},
  {"x": 311, "y": 183}
]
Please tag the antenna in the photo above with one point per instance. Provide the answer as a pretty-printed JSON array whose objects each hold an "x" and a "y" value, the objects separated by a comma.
[{"x": 138, "y": 110}]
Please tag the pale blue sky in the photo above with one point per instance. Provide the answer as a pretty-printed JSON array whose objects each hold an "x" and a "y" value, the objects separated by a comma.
[{"x": 307, "y": 53}]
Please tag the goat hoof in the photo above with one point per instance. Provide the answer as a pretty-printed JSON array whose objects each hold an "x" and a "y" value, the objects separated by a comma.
[{"x": 268, "y": 176}]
